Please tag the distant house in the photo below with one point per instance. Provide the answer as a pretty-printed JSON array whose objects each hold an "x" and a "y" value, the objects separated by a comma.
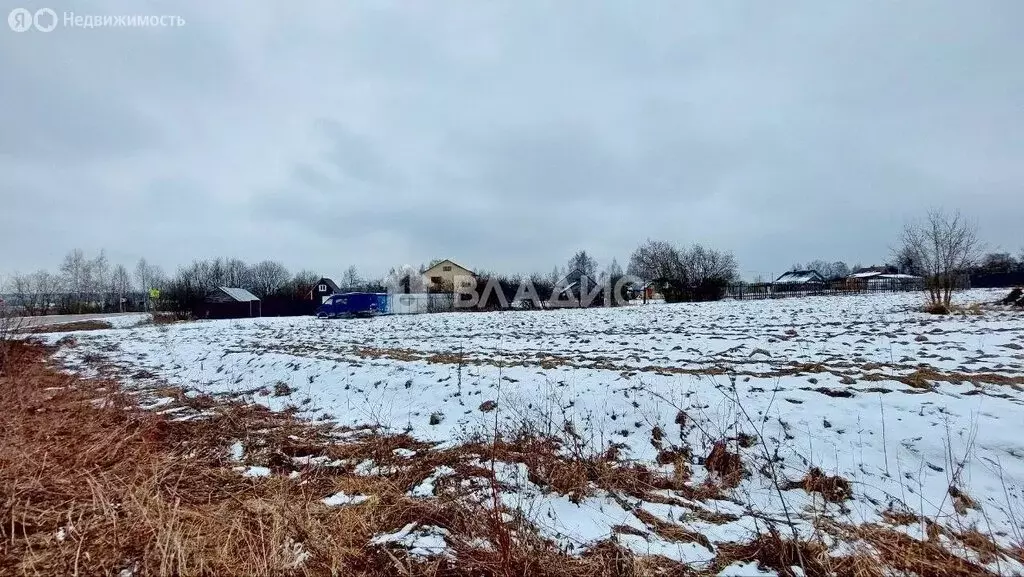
[
  {"x": 879, "y": 280},
  {"x": 646, "y": 291},
  {"x": 800, "y": 277},
  {"x": 444, "y": 274},
  {"x": 883, "y": 269},
  {"x": 576, "y": 278},
  {"x": 323, "y": 288},
  {"x": 229, "y": 303},
  {"x": 799, "y": 281}
]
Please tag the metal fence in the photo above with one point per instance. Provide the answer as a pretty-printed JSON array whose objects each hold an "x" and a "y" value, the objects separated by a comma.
[{"x": 742, "y": 291}]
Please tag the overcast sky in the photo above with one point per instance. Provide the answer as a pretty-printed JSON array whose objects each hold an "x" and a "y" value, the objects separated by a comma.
[{"x": 506, "y": 135}]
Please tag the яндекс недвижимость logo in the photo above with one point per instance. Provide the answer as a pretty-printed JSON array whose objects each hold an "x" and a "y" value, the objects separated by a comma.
[{"x": 46, "y": 20}]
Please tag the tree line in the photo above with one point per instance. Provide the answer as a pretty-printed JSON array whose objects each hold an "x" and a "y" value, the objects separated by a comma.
[
  {"x": 90, "y": 283},
  {"x": 941, "y": 248},
  {"x": 83, "y": 284},
  {"x": 695, "y": 273}
]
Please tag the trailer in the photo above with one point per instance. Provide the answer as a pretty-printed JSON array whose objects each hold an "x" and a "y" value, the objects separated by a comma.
[{"x": 351, "y": 305}]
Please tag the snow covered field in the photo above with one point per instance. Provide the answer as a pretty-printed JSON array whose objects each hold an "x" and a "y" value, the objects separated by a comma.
[{"x": 921, "y": 414}]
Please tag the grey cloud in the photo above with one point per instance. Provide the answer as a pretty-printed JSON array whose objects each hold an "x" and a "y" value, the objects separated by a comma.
[
  {"x": 354, "y": 155},
  {"x": 509, "y": 134}
]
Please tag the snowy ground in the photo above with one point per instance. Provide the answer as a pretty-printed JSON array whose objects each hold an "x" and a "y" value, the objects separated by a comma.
[{"x": 902, "y": 404}]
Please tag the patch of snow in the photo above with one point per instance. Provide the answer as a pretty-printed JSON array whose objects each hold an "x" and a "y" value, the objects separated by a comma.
[
  {"x": 617, "y": 373},
  {"x": 423, "y": 541},
  {"x": 341, "y": 498},
  {"x": 317, "y": 461},
  {"x": 369, "y": 468},
  {"x": 254, "y": 471},
  {"x": 690, "y": 553},
  {"x": 425, "y": 488},
  {"x": 156, "y": 403}
]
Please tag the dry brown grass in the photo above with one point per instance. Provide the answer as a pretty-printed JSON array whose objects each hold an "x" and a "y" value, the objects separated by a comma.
[
  {"x": 900, "y": 517},
  {"x": 936, "y": 309},
  {"x": 92, "y": 484},
  {"x": 926, "y": 558},
  {"x": 93, "y": 325},
  {"x": 833, "y": 489},
  {"x": 961, "y": 500},
  {"x": 728, "y": 465}
]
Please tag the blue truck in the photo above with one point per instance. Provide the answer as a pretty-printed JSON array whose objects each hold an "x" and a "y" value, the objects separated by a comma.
[{"x": 350, "y": 305}]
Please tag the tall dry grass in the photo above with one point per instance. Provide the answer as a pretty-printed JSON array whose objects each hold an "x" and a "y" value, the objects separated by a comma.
[{"x": 93, "y": 484}]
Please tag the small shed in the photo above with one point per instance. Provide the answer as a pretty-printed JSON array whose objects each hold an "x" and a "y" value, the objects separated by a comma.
[{"x": 231, "y": 303}]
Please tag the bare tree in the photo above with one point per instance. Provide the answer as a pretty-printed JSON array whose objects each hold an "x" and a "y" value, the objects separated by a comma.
[
  {"x": 20, "y": 287},
  {"x": 36, "y": 292},
  {"x": 828, "y": 270},
  {"x": 997, "y": 262},
  {"x": 554, "y": 276},
  {"x": 944, "y": 246},
  {"x": 152, "y": 277},
  {"x": 657, "y": 260},
  {"x": 99, "y": 277},
  {"x": 302, "y": 283},
  {"x": 582, "y": 263},
  {"x": 148, "y": 276},
  {"x": 406, "y": 280},
  {"x": 821, "y": 267},
  {"x": 121, "y": 283},
  {"x": 350, "y": 280},
  {"x": 905, "y": 262},
  {"x": 75, "y": 269},
  {"x": 614, "y": 269},
  {"x": 840, "y": 270},
  {"x": 704, "y": 265},
  {"x": 268, "y": 277},
  {"x": 237, "y": 274}
]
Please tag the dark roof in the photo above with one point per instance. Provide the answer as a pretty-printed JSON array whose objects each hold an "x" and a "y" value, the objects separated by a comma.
[
  {"x": 330, "y": 284},
  {"x": 576, "y": 276},
  {"x": 573, "y": 279},
  {"x": 800, "y": 277},
  {"x": 884, "y": 269}
]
